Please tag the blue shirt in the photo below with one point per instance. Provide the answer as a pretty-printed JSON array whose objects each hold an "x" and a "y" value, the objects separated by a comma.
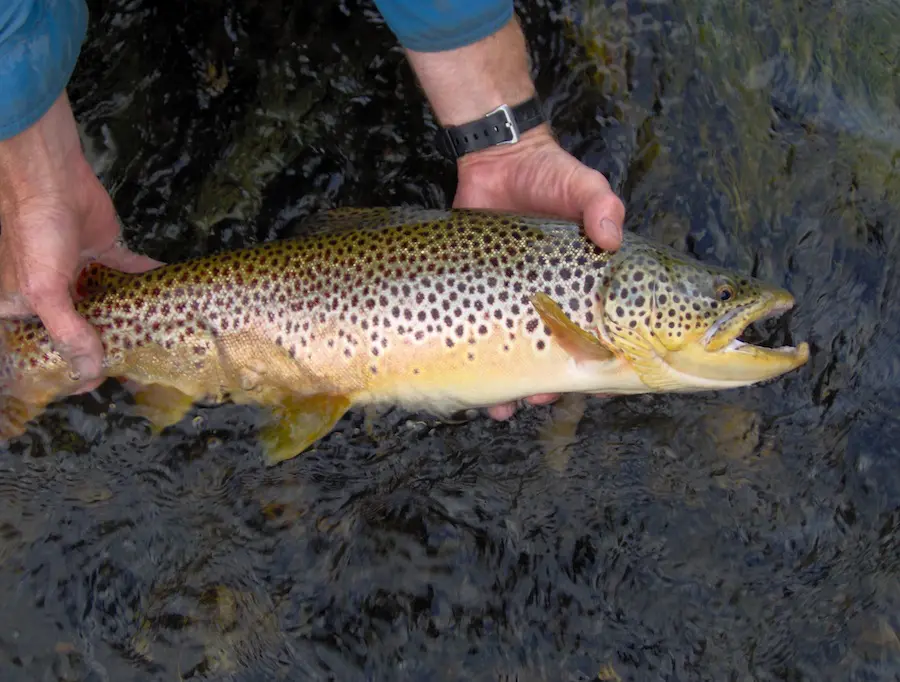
[{"x": 40, "y": 41}]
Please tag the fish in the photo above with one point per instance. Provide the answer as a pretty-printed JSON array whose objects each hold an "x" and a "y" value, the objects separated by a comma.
[{"x": 432, "y": 310}]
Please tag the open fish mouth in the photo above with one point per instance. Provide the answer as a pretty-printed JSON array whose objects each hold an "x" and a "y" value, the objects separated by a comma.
[
  {"x": 772, "y": 331},
  {"x": 756, "y": 327},
  {"x": 742, "y": 347},
  {"x": 757, "y": 343}
]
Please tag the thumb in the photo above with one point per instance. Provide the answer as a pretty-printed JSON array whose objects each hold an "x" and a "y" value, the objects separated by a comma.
[
  {"x": 120, "y": 257},
  {"x": 603, "y": 212}
]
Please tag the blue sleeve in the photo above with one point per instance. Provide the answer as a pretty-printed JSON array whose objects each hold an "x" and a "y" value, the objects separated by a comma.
[
  {"x": 436, "y": 25},
  {"x": 39, "y": 45}
]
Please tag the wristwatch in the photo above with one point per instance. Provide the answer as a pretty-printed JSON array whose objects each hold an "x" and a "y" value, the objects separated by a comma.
[{"x": 503, "y": 125}]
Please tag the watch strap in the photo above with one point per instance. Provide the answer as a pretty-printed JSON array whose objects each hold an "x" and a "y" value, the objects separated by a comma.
[{"x": 503, "y": 125}]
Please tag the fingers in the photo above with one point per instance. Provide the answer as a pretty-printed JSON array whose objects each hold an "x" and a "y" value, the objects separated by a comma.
[
  {"x": 502, "y": 412},
  {"x": 543, "y": 399}
]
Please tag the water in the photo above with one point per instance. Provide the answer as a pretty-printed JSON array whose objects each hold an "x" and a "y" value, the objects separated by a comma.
[{"x": 745, "y": 536}]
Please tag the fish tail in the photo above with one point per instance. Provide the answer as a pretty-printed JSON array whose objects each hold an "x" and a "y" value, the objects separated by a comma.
[
  {"x": 18, "y": 395},
  {"x": 15, "y": 415}
]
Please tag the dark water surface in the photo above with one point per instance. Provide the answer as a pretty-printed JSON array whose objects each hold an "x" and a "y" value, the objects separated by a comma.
[{"x": 745, "y": 536}]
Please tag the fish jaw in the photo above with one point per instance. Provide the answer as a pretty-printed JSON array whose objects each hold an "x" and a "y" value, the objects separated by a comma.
[
  {"x": 738, "y": 364},
  {"x": 720, "y": 360}
]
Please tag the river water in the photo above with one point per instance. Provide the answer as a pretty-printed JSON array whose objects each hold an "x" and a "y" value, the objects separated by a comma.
[{"x": 745, "y": 536}]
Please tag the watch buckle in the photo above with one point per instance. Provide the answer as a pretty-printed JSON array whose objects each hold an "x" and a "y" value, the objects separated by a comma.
[{"x": 510, "y": 123}]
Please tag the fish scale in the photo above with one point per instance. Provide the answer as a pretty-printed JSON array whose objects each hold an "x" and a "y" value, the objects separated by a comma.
[
  {"x": 431, "y": 309},
  {"x": 385, "y": 279}
]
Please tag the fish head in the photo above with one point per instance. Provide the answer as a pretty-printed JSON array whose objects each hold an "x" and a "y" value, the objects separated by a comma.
[{"x": 682, "y": 319}]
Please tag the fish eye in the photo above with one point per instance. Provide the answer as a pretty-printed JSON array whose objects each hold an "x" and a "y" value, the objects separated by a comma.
[{"x": 725, "y": 292}]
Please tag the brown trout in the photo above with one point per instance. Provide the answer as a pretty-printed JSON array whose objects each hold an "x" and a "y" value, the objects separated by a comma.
[{"x": 436, "y": 310}]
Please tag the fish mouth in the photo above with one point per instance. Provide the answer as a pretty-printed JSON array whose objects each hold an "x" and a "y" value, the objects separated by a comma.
[
  {"x": 739, "y": 349},
  {"x": 741, "y": 327}
]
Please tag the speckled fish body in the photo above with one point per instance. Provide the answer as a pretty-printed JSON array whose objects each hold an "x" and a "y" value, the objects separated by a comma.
[{"x": 434, "y": 310}]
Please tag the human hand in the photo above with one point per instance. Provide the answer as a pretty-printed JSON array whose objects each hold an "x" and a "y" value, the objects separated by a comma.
[
  {"x": 56, "y": 216},
  {"x": 536, "y": 175}
]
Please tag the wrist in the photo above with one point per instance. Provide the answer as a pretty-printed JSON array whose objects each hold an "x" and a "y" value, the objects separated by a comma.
[{"x": 536, "y": 138}]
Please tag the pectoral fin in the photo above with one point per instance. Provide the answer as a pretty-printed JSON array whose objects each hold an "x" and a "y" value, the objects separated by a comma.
[
  {"x": 297, "y": 423},
  {"x": 643, "y": 357},
  {"x": 161, "y": 405},
  {"x": 580, "y": 344}
]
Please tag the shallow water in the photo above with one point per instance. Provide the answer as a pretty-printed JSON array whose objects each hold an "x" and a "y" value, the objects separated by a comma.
[{"x": 750, "y": 535}]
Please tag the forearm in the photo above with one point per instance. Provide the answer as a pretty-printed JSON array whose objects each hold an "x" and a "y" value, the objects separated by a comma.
[
  {"x": 466, "y": 83},
  {"x": 39, "y": 45},
  {"x": 40, "y": 160},
  {"x": 469, "y": 55}
]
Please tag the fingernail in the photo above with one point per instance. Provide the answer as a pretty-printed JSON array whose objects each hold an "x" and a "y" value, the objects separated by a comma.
[{"x": 610, "y": 227}]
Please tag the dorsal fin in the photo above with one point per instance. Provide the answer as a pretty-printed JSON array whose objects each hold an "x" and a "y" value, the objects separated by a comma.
[{"x": 97, "y": 278}]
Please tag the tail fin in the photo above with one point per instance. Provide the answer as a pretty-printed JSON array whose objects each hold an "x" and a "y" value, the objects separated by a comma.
[
  {"x": 15, "y": 415},
  {"x": 19, "y": 402}
]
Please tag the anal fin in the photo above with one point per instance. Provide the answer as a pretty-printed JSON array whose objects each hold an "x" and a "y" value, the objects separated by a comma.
[
  {"x": 298, "y": 422},
  {"x": 161, "y": 405},
  {"x": 580, "y": 344}
]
